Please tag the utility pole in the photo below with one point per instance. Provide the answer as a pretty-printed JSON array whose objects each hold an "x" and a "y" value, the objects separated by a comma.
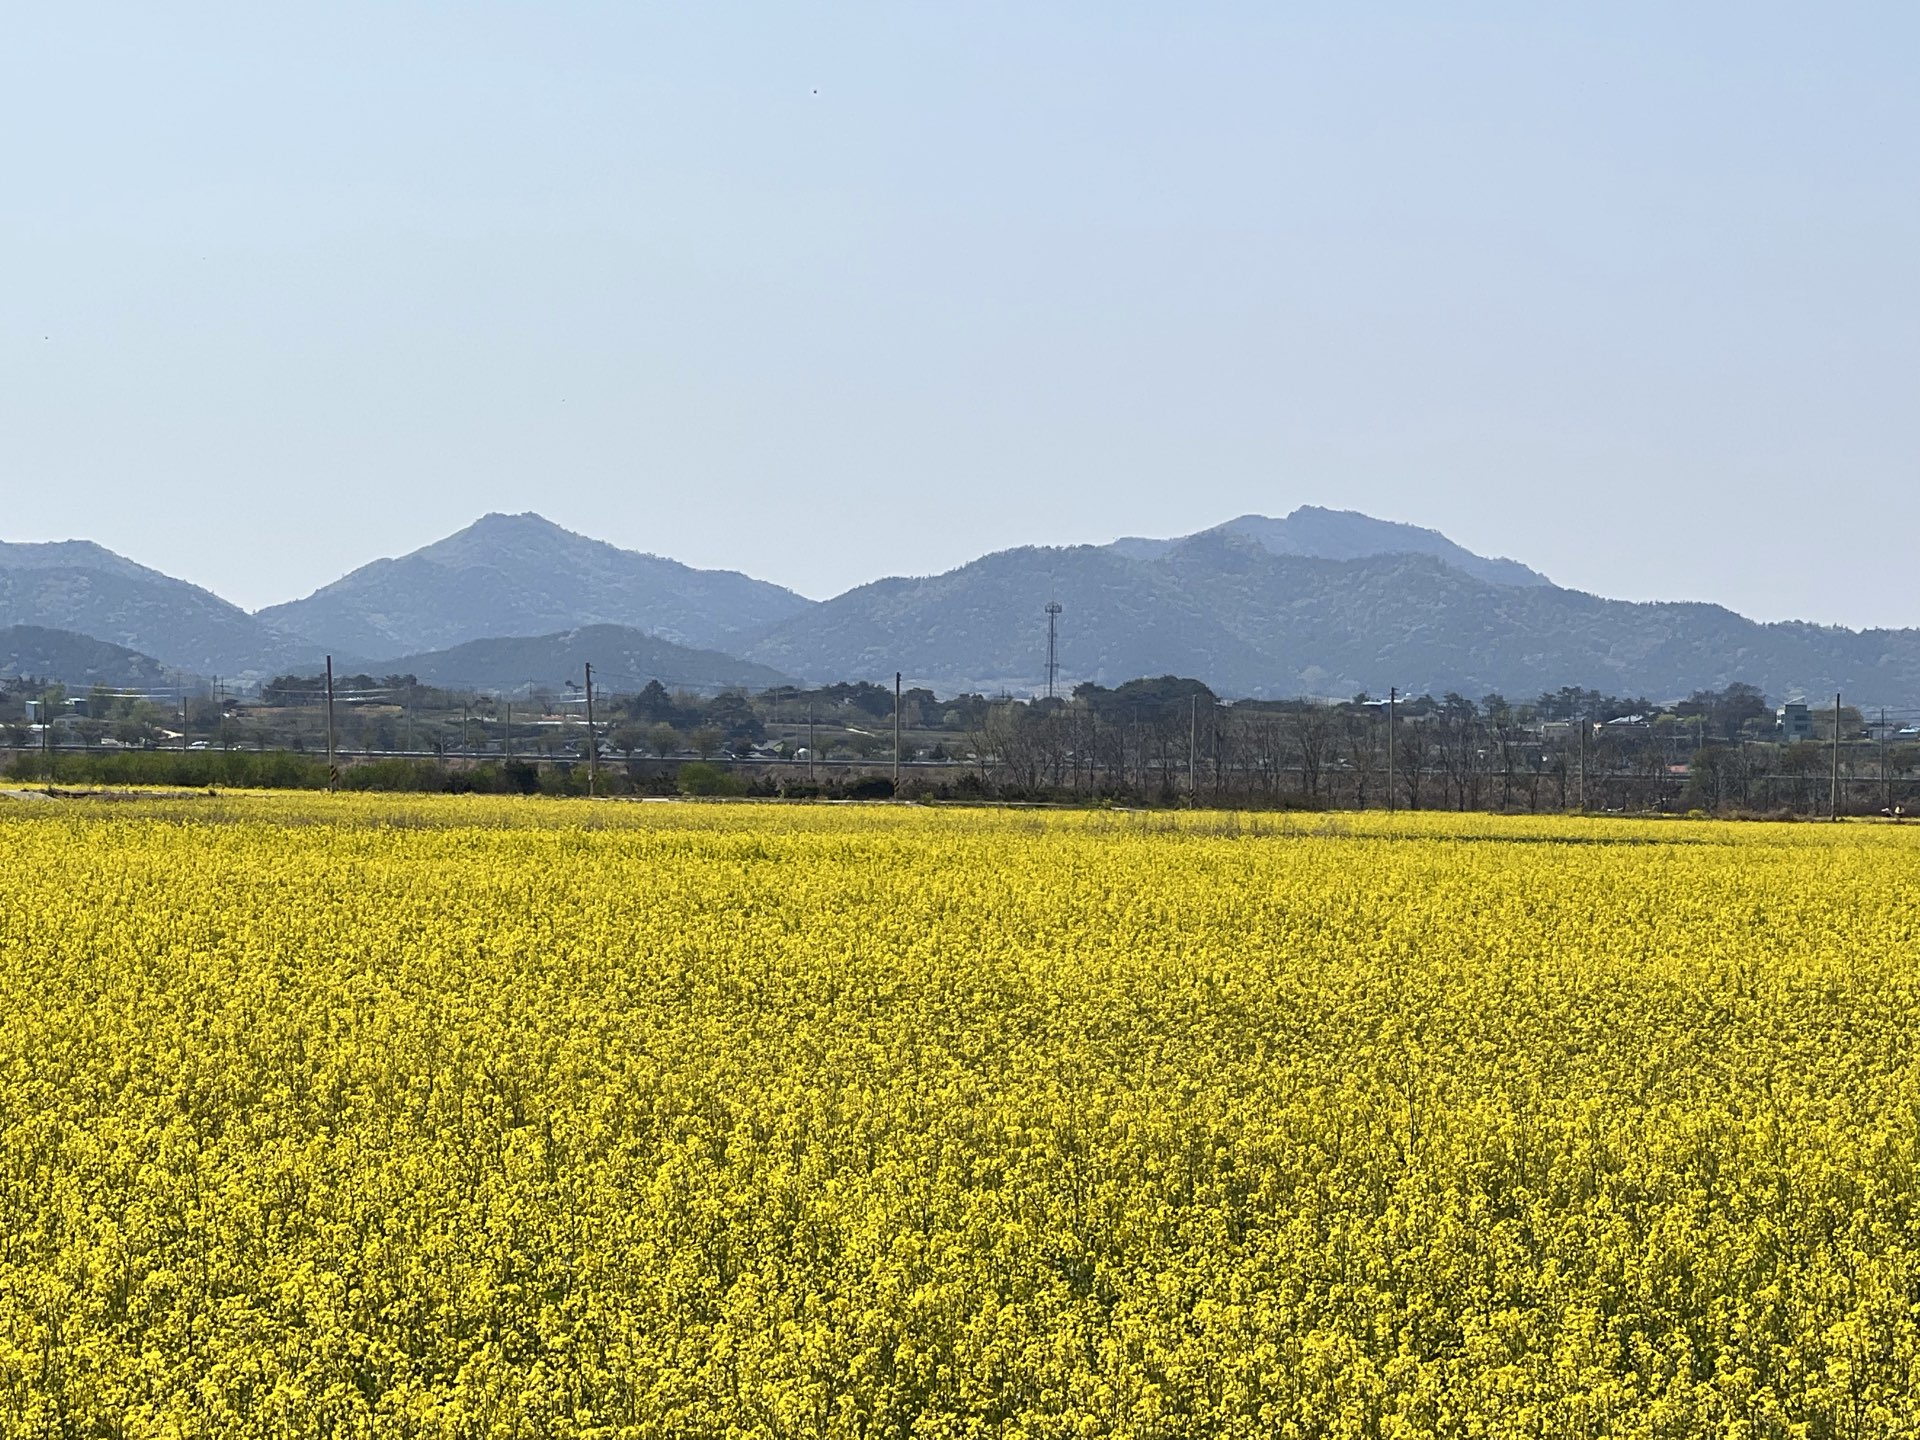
[
  {"x": 896, "y": 732},
  {"x": 1886, "y": 777},
  {"x": 1393, "y": 696},
  {"x": 1583, "y": 762},
  {"x": 333, "y": 765},
  {"x": 813, "y": 745},
  {"x": 1193, "y": 745},
  {"x": 590, "y": 747},
  {"x": 1836, "y": 756},
  {"x": 46, "y": 734},
  {"x": 1053, "y": 663},
  {"x": 506, "y": 744}
]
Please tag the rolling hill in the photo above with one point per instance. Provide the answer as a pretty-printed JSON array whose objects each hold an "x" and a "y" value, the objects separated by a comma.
[
  {"x": 77, "y": 661},
  {"x": 973, "y": 629},
  {"x": 622, "y": 658}
]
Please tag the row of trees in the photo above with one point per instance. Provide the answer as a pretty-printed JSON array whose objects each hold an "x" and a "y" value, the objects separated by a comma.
[
  {"x": 1161, "y": 740},
  {"x": 1171, "y": 739}
]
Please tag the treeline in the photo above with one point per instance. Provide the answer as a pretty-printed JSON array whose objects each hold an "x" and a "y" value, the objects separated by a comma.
[
  {"x": 286, "y": 770},
  {"x": 1170, "y": 741},
  {"x": 395, "y": 713},
  {"x": 1154, "y": 741}
]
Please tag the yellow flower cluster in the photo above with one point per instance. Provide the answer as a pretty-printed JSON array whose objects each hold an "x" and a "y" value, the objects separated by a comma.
[{"x": 465, "y": 1117}]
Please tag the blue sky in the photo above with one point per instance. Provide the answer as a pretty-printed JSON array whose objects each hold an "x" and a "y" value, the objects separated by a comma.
[{"x": 1628, "y": 292}]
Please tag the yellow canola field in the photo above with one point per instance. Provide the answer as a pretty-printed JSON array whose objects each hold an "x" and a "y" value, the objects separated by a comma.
[{"x": 462, "y": 1117}]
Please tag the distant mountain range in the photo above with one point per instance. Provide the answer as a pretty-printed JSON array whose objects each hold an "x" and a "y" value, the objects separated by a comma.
[
  {"x": 1319, "y": 602},
  {"x": 1253, "y": 623}
]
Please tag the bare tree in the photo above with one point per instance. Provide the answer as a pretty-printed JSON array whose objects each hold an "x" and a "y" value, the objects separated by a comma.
[
  {"x": 1413, "y": 752},
  {"x": 1313, "y": 742},
  {"x": 1360, "y": 732}
]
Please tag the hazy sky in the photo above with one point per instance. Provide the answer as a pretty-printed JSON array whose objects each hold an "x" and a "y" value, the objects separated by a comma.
[{"x": 824, "y": 293}]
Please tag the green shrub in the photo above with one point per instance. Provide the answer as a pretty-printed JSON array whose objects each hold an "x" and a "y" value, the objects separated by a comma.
[{"x": 697, "y": 777}]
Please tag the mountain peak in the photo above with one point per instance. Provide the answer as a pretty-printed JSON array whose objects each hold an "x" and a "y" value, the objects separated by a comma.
[
  {"x": 496, "y": 531},
  {"x": 523, "y": 575},
  {"x": 1351, "y": 535},
  {"x": 525, "y": 520},
  {"x": 70, "y": 555},
  {"x": 1318, "y": 533}
]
